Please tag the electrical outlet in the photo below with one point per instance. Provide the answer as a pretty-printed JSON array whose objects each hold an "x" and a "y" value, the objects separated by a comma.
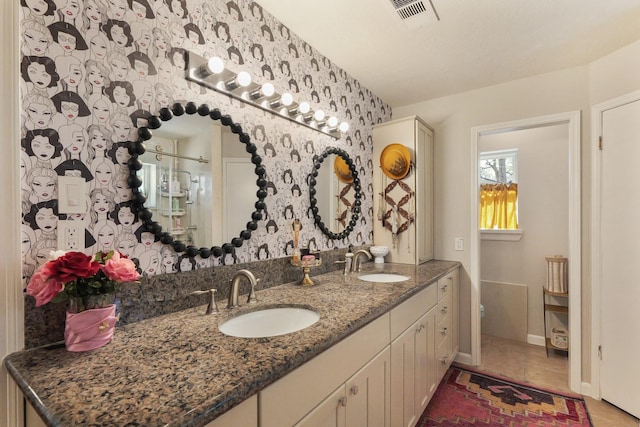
[
  {"x": 458, "y": 244},
  {"x": 71, "y": 235}
]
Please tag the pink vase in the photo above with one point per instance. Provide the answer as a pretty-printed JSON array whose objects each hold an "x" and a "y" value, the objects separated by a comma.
[{"x": 90, "y": 329}]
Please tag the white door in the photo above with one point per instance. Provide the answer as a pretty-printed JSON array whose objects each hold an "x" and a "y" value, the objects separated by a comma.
[
  {"x": 239, "y": 183},
  {"x": 620, "y": 260}
]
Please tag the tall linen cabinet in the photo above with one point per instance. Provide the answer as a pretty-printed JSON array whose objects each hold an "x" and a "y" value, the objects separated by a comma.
[{"x": 412, "y": 194}]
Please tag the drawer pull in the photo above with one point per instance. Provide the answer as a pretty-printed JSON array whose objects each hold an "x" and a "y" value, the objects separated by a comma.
[
  {"x": 444, "y": 309},
  {"x": 354, "y": 390},
  {"x": 343, "y": 401}
]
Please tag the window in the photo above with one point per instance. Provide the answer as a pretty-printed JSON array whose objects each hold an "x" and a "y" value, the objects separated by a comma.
[
  {"x": 499, "y": 167},
  {"x": 499, "y": 190}
]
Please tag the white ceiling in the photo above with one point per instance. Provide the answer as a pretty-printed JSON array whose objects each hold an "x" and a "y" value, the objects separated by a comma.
[{"x": 476, "y": 43}]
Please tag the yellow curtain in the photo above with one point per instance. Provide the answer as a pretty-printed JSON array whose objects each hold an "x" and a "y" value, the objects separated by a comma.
[{"x": 498, "y": 206}]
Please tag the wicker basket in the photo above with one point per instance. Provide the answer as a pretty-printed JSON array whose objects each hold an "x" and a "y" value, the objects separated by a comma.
[{"x": 557, "y": 274}]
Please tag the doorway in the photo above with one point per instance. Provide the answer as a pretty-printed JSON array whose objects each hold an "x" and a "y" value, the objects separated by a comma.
[{"x": 572, "y": 121}]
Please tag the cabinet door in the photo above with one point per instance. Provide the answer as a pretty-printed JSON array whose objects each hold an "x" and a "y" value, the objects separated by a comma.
[
  {"x": 329, "y": 413},
  {"x": 404, "y": 378},
  {"x": 429, "y": 373},
  {"x": 368, "y": 394},
  {"x": 421, "y": 344}
]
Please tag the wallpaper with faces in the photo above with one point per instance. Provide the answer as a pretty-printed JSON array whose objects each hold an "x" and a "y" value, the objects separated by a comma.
[{"x": 93, "y": 70}]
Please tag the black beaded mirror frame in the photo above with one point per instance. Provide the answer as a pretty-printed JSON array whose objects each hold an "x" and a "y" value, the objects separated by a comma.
[
  {"x": 355, "y": 210},
  {"x": 137, "y": 148}
]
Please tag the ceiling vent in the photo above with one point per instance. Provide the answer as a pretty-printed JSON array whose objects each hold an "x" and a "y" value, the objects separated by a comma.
[{"x": 414, "y": 13}]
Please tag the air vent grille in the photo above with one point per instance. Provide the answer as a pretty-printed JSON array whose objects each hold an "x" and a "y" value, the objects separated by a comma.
[
  {"x": 411, "y": 10},
  {"x": 413, "y": 13}
]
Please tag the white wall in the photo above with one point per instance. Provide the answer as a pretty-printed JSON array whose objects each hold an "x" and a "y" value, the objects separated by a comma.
[
  {"x": 543, "y": 212},
  {"x": 452, "y": 118}
]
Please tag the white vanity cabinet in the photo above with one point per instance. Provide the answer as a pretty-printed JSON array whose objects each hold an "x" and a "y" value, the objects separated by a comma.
[
  {"x": 362, "y": 401},
  {"x": 331, "y": 388},
  {"x": 413, "y": 357}
]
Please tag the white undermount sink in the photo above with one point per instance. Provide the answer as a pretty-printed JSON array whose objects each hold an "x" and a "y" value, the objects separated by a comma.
[
  {"x": 269, "y": 322},
  {"x": 383, "y": 277}
]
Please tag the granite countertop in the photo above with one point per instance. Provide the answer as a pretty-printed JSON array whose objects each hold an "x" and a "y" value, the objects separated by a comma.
[{"x": 179, "y": 370}]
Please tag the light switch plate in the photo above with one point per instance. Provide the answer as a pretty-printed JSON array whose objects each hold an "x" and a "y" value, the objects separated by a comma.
[
  {"x": 459, "y": 244},
  {"x": 72, "y": 195}
]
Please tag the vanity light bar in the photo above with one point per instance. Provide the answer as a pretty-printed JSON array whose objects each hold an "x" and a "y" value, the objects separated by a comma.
[{"x": 212, "y": 74}]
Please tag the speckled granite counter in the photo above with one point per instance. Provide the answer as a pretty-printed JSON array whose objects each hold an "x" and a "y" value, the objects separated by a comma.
[{"x": 179, "y": 370}]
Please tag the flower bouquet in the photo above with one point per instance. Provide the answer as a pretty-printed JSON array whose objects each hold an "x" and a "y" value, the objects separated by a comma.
[{"x": 88, "y": 285}]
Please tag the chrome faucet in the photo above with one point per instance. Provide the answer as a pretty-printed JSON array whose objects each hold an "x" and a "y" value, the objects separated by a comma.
[
  {"x": 355, "y": 266},
  {"x": 235, "y": 288}
]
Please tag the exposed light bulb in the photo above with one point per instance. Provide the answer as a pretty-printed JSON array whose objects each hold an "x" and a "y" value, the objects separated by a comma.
[
  {"x": 332, "y": 122},
  {"x": 215, "y": 65},
  {"x": 304, "y": 107},
  {"x": 268, "y": 89},
  {"x": 286, "y": 99},
  {"x": 344, "y": 126},
  {"x": 243, "y": 78},
  {"x": 318, "y": 115}
]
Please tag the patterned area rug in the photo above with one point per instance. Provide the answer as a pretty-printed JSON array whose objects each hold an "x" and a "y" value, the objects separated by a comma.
[{"x": 470, "y": 398}]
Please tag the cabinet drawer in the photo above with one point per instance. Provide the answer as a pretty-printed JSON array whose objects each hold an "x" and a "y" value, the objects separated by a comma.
[
  {"x": 443, "y": 356},
  {"x": 411, "y": 310},
  {"x": 444, "y": 307},
  {"x": 445, "y": 286},
  {"x": 443, "y": 329}
]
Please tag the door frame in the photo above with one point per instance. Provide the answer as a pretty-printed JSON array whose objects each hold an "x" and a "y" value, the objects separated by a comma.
[
  {"x": 11, "y": 295},
  {"x": 572, "y": 119},
  {"x": 596, "y": 197}
]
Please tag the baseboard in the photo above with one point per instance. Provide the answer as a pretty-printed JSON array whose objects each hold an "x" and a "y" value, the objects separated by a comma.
[
  {"x": 464, "y": 358},
  {"x": 536, "y": 340},
  {"x": 585, "y": 389}
]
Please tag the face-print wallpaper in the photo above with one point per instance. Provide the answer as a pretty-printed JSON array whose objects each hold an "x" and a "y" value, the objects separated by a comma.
[{"x": 92, "y": 70}]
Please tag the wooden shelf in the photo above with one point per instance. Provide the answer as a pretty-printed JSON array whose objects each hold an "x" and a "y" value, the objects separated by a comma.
[
  {"x": 557, "y": 308},
  {"x": 553, "y": 308}
]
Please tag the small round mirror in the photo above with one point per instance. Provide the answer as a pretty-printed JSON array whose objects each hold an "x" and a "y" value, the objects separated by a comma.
[{"x": 335, "y": 192}]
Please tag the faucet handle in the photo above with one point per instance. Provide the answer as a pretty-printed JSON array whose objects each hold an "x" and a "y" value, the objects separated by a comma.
[
  {"x": 252, "y": 294},
  {"x": 212, "y": 307}
]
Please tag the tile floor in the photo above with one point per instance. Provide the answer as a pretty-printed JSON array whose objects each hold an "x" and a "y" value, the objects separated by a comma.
[{"x": 529, "y": 363}]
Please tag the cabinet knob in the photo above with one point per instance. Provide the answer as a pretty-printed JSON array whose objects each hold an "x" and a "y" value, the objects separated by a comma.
[
  {"x": 444, "y": 309},
  {"x": 444, "y": 331},
  {"x": 443, "y": 360},
  {"x": 343, "y": 401},
  {"x": 354, "y": 390},
  {"x": 444, "y": 288}
]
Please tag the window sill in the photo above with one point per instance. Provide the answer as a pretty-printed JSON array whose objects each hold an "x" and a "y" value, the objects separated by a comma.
[{"x": 501, "y": 235}]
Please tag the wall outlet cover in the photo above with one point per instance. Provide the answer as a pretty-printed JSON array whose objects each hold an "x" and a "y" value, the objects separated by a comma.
[{"x": 71, "y": 235}]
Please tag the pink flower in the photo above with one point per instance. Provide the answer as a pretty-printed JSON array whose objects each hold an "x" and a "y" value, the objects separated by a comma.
[
  {"x": 120, "y": 269},
  {"x": 43, "y": 287}
]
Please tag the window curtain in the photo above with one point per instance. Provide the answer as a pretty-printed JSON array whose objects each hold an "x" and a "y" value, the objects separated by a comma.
[{"x": 498, "y": 206}]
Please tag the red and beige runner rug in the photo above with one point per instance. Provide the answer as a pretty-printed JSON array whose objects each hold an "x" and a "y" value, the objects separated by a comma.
[{"x": 471, "y": 398}]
